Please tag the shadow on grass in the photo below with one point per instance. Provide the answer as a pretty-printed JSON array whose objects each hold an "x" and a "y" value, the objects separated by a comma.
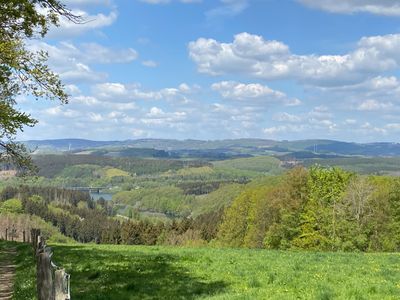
[{"x": 104, "y": 274}]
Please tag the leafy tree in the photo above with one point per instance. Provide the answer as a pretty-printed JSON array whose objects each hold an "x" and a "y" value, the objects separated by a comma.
[
  {"x": 288, "y": 199},
  {"x": 235, "y": 221},
  {"x": 354, "y": 214},
  {"x": 318, "y": 229},
  {"x": 244, "y": 222},
  {"x": 24, "y": 72},
  {"x": 11, "y": 206}
]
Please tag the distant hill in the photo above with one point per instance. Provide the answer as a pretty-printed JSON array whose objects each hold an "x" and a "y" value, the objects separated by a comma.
[
  {"x": 216, "y": 148},
  {"x": 67, "y": 144}
]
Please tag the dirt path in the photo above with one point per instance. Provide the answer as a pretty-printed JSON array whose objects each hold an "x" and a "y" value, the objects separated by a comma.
[{"x": 7, "y": 272}]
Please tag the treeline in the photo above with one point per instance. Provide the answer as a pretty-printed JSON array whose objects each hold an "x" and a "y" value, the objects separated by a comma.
[
  {"x": 48, "y": 194},
  {"x": 51, "y": 165},
  {"x": 186, "y": 231},
  {"x": 206, "y": 186},
  {"x": 80, "y": 218},
  {"x": 169, "y": 200},
  {"x": 325, "y": 209}
]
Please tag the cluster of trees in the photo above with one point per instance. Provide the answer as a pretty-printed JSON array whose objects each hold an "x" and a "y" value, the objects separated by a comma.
[
  {"x": 317, "y": 209},
  {"x": 186, "y": 231},
  {"x": 169, "y": 200},
  {"x": 48, "y": 194},
  {"x": 78, "y": 217},
  {"x": 207, "y": 186}
]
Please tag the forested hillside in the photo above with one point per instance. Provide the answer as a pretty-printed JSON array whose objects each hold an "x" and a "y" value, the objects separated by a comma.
[
  {"x": 245, "y": 202},
  {"x": 316, "y": 209}
]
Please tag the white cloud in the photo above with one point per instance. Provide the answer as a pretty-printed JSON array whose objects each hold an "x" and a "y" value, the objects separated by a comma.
[
  {"x": 379, "y": 7},
  {"x": 168, "y": 1},
  {"x": 228, "y": 8},
  {"x": 123, "y": 92},
  {"x": 254, "y": 56},
  {"x": 393, "y": 126},
  {"x": 374, "y": 105},
  {"x": 72, "y": 89},
  {"x": 78, "y": 3},
  {"x": 241, "y": 91},
  {"x": 81, "y": 73},
  {"x": 381, "y": 93},
  {"x": 59, "y": 111},
  {"x": 155, "y": 1},
  {"x": 73, "y": 62},
  {"x": 90, "y": 22},
  {"x": 368, "y": 128},
  {"x": 252, "y": 93},
  {"x": 350, "y": 122},
  {"x": 283, "y": 129},
  {"x": 64, "y": 53},
  {"x": 126, "y": 92},
  {"x": 84, "y": 100},
  {"x": 320, "y": 112},
  {"x": 139, "y": 133},
  {"x": 95, "y": 117},
  {"x": 155, "y": 112},
  {"x": 286, "y": 117},
  {"x": 99, "y": 54},
  {"x": 156, "y": 116},
  {"x": 149, "y": 63}
]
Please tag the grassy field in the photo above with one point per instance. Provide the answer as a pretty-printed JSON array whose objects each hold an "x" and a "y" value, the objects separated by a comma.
[{"x": 139, "y": 272}]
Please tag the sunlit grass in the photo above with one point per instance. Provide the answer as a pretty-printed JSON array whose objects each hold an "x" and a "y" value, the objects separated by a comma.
[{"x": 139, "y": 272}]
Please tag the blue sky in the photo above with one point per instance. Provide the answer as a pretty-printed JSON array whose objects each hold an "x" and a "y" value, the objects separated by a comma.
[{"x": 218, "y": 69}]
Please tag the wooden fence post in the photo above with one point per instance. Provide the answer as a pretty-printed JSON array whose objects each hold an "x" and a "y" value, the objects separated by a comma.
[
  {"x": 34, "y": 239},
  {"x": 52, "y": 283},
  {"x": 23, "y": 236},
  {"x": 61, "y": 284},
  {"x": 6, "y": 234},
  {"x": 44, "y": 277},
  {"x": 13, "y": 233}
]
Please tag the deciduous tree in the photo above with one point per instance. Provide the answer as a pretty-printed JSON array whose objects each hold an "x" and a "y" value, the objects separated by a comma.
[{"x": 24, "y": 72}]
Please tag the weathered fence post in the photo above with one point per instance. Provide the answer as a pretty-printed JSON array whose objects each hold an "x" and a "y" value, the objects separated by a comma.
[
  {"x": 52, "y": 283},
  {"x": 34, "y": 238},
  {"x": 6, "y": 234},
  {"x": 23, "y": 236},
  {"x": 61, "y": 284},
  {"x": 13, "y": 233},
  {"x": 41, "y": 243},
  {"x": 44, "y": 277}
]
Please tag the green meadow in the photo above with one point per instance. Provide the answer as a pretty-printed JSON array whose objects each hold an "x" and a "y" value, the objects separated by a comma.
[{"x": 143, "y": 272}]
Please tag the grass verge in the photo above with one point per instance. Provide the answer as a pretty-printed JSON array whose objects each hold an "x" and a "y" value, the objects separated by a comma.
[{"x": 25, "y": 277}]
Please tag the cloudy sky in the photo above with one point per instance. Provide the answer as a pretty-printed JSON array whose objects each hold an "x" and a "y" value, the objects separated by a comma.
[{"x": 216, "y": 69}]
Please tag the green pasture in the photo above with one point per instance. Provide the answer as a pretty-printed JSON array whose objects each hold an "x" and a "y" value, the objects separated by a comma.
[{"x": 140, "y": 272}]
